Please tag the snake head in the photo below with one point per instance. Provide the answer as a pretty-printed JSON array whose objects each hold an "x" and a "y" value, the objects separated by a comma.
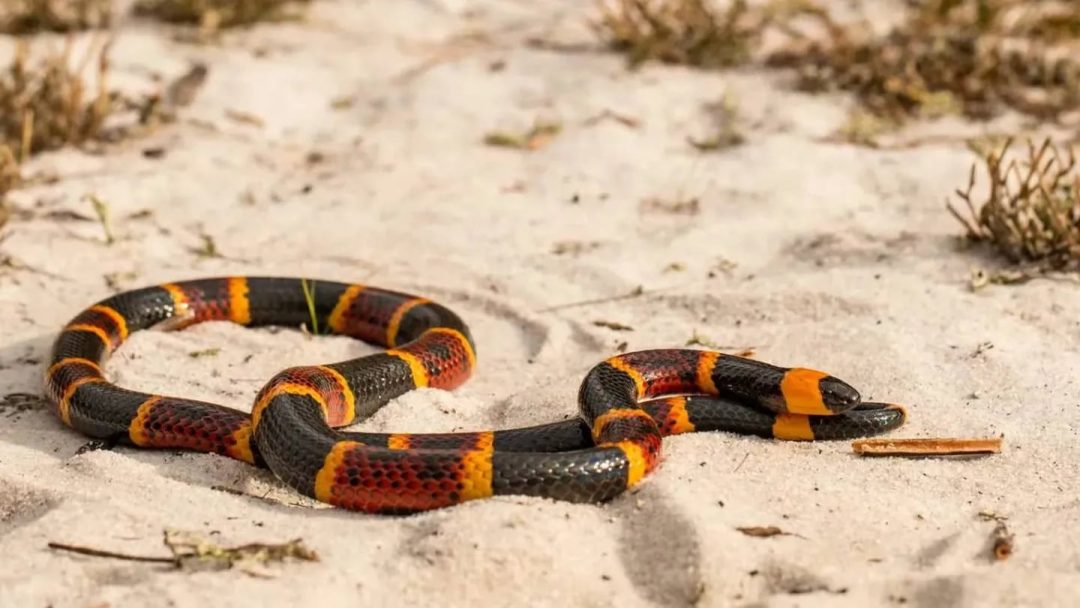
[
  {"x": 838, "y": 396},
  {"x": 814, "y": 393}
]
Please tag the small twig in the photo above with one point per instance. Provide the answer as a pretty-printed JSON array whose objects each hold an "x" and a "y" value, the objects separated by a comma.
[
  {"x": 612, "y": 325},
  {"x": 634, "y": 293},
  {"x": 764, "y": 531},
  {"x": 739, "y": 351},
  {"x": 263, "y": 498},
  {"x": 27, "y": 135},
  {"x": 741, "y": 462},
  {"x": 101, "y": 209},
  {"x": 535, "y": 138},
  {"x": 637, "y": 291},
  {"x": 624, "y": 119},
  {"x": 208, "y": 249},
  {"x": 111, "y": 554},
  {"x": 926, "y": 447},
  {"x": 981, "y": 349}
]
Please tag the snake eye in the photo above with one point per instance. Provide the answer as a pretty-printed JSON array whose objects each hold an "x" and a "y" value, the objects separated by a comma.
[{"x": 837, "y": 395}]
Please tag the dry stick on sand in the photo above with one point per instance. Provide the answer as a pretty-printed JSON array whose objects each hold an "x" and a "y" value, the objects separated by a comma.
[
  {"x": 636, "y": 292},
  {"x": 538, "y": 136},
  {"x": 926, "y": 447},
  {"x": 764, "y": 531},
  {"x": 111, "y": 554},
  {"x": 192, "y": 552}
]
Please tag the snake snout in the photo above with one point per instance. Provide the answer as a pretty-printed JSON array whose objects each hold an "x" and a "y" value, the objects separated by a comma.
[{"x": 837, "y": 395}]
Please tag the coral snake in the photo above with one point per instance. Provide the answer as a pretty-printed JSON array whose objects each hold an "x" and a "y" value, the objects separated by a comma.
[{"x": 626, "y": 403}]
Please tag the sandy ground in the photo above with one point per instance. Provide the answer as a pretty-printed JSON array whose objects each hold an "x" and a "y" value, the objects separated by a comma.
[{"x": 813, "y": 253}]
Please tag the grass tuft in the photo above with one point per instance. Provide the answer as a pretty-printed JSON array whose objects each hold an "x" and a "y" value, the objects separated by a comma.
[
  {"x": 211, "y": 15},
  {"x": 688, "y": 32},
  {"x": 975, "y": 57},
  {"x": 46, "y": 106},
  {"x": 29, "y": 16},
  {"x": 1031, "y": 212},
  {"x": 309, "y": 297},
  {"x": 101, "y": 210},
  {"x": 9, "y": 176},
  {"x": 726, "y": 132},
  {"x": 538, "y": 136}
]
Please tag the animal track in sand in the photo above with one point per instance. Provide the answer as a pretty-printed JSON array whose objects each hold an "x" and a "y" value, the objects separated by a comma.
[
  {"x": 732, "y": 309},
  {"x": 534, "y": 332},
  {"x": 117, "y": 576},
  {"x": 939, "y": 592},
  {"x": 930, "y": 554},
  {"x": 14, "y": 405},
  {"x": 782, "y": 578},
  {"x": 654, "y": 531},
  {"x": 21, "y": 505},
  {"x": 858, "y": 249}
]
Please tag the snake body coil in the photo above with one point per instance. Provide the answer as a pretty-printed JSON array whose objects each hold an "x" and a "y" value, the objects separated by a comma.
[{"x": 627, "y": 403}]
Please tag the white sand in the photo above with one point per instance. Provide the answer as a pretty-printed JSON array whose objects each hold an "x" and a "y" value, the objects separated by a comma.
[{"x": 845, "y": 262}]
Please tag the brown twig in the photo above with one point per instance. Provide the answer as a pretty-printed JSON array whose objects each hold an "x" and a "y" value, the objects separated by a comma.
[
  {"x": 193, "y": 552},
  {"x": 926, "y": 447},
  {"x": 764, "y": 531},
  {"x": 637, "y": 291},
  {"x": 111, "y": 554}
]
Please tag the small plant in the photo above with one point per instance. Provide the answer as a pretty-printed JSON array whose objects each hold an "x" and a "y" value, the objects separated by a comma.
[
  {"x": 976, "y": 57},
  {"x": 538, "y": 136},
  {"x": 47, "y": 106},
  {"x": 212, "y": 15},
  {"x": 44, "y": 107},
  {"x": 726, "y": 132},
  {"x": 9, "y": 175},
  {"x": 27, "y": 16},
  {"x": 101, "y": 210},
  {"x": 686, "y": 32},
  {"x": 1031, "y": 213},
  {"x": 309, "y": 297}
]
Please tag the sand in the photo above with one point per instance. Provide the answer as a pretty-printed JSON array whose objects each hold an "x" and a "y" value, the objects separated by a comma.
[{"x": 809, "y": 251}]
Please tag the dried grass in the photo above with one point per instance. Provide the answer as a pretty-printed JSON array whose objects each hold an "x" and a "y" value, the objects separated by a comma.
[
  {"x": 48, "y": 105},
  {"x": 211, "y": 15},
  {"x": 688, "y": 32},
  {"x": 28, "y": 16},
  {"x": 1031, "y": 212},
  {"x": 976, "y": 57}
]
